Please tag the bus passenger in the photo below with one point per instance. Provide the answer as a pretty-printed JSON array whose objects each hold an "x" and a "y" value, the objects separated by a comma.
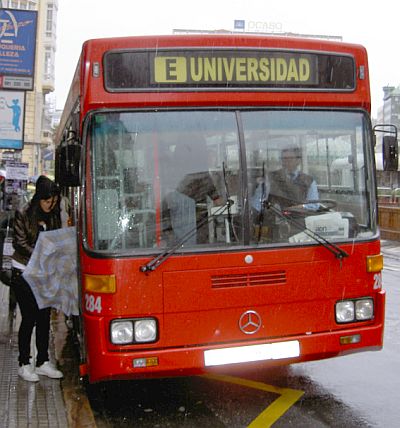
[
  {"x": 188, "y": 201},
  {"x": 40, "y": 214}
]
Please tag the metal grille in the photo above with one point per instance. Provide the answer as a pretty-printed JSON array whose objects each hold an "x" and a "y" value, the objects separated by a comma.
[{"x": 249, "y": 279}]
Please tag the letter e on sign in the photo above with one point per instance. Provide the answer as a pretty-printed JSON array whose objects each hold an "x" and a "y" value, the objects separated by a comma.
[{"x": 170, "y": 69}]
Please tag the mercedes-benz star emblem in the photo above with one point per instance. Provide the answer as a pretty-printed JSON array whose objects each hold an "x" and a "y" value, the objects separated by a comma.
[{"x": 250, "y": 322}]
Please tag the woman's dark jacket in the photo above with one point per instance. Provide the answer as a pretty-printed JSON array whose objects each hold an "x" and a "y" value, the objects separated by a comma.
[{"x": 26, "y": 230}]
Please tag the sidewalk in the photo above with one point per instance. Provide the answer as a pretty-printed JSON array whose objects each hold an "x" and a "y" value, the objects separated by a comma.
[
  {"x": 24, "y": 403},
  {"x": 49, "y": 403}
]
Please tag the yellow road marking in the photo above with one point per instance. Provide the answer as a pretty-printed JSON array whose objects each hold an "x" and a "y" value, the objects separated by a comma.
[{"x": 287, "y": 397}]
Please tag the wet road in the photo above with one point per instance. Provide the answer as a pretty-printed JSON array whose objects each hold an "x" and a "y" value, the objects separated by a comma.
[
  {"x": 368, "y": 383},
  {"x": 360, "y": 390}
]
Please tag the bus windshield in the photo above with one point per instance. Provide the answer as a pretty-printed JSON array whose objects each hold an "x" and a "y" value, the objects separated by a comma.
[{"x": 162, "y": 177}]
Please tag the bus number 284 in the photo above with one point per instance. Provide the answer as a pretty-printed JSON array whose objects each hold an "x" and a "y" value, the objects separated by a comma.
[{"x": 92, "y": 303}]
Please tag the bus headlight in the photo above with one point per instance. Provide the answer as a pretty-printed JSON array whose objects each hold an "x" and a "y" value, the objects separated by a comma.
[
  {"x": 364, "y": 309},
  {"x": 140, "y": 330},
  {"x": 344, "y": 311},
  {"x": 121, "y": 332},
  {"x": 145, "y": 330},
  {"x": 354, "y": 310}
]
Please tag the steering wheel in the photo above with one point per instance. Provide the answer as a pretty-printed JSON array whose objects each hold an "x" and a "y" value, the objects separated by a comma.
[{"x": 322, "y": 205}]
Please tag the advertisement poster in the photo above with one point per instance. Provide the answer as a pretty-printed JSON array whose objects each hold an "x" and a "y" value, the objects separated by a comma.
[
  {"x": 17, "y": 48},
  {"x": 12, "y": 108}
]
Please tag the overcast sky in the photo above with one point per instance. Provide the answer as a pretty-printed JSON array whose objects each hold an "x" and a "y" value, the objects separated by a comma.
[{"x": 376, "y": 28}]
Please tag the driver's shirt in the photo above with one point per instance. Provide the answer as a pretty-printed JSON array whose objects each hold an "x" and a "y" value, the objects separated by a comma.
[{"x": 286, "y": 189}]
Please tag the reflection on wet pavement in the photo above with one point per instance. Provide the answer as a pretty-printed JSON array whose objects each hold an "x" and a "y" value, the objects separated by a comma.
[
  {"x": 195, "y": 402},
  {"x": 67, "y": 355}
]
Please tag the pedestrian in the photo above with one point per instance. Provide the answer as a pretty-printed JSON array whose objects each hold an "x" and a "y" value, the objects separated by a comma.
[{"x": 40, "y": 214}]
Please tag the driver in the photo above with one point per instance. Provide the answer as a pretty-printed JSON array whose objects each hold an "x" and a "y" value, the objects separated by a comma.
[
  {"x": 288, "y": 185},
  {"x": 283, "y": 188}
]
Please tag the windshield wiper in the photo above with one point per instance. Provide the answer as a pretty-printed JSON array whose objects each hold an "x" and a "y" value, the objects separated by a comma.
[
  {"x": 228, "y": 198},
  {"x": 330, "y": 246},
  {"x": 156, "y": 261},
  {"x": 263, "y": 197}
]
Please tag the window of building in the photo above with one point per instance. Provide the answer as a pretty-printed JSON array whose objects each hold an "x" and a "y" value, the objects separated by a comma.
[
  {"x": 21, "y": 4},
  {"x": 48, "y": 64},
  {"x": 49, "y": 19}
]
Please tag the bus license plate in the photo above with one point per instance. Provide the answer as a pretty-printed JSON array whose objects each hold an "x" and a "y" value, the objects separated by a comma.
[{"x": 245, "y": 354}]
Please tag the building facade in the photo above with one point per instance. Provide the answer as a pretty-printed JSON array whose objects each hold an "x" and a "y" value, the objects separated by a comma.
[{"x": 39, "y": 107}]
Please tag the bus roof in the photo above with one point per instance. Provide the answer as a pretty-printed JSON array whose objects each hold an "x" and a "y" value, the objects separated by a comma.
[
  {"x": 90, "y": 79},
  {"x": 222, "y": 40}
]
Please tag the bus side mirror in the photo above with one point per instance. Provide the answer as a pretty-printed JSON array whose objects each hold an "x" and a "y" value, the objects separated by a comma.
[
  {"x": 68, "y": 160},
  {"x": 390, "y": 152}
]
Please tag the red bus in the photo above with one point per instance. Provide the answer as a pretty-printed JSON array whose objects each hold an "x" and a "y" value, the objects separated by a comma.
[{"x": 192, "y": 256}]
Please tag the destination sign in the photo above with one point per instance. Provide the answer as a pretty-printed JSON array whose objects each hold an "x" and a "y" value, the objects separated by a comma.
[
  {"x": 223, "y": 69},
  {"x": 250, "y": 69}
]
